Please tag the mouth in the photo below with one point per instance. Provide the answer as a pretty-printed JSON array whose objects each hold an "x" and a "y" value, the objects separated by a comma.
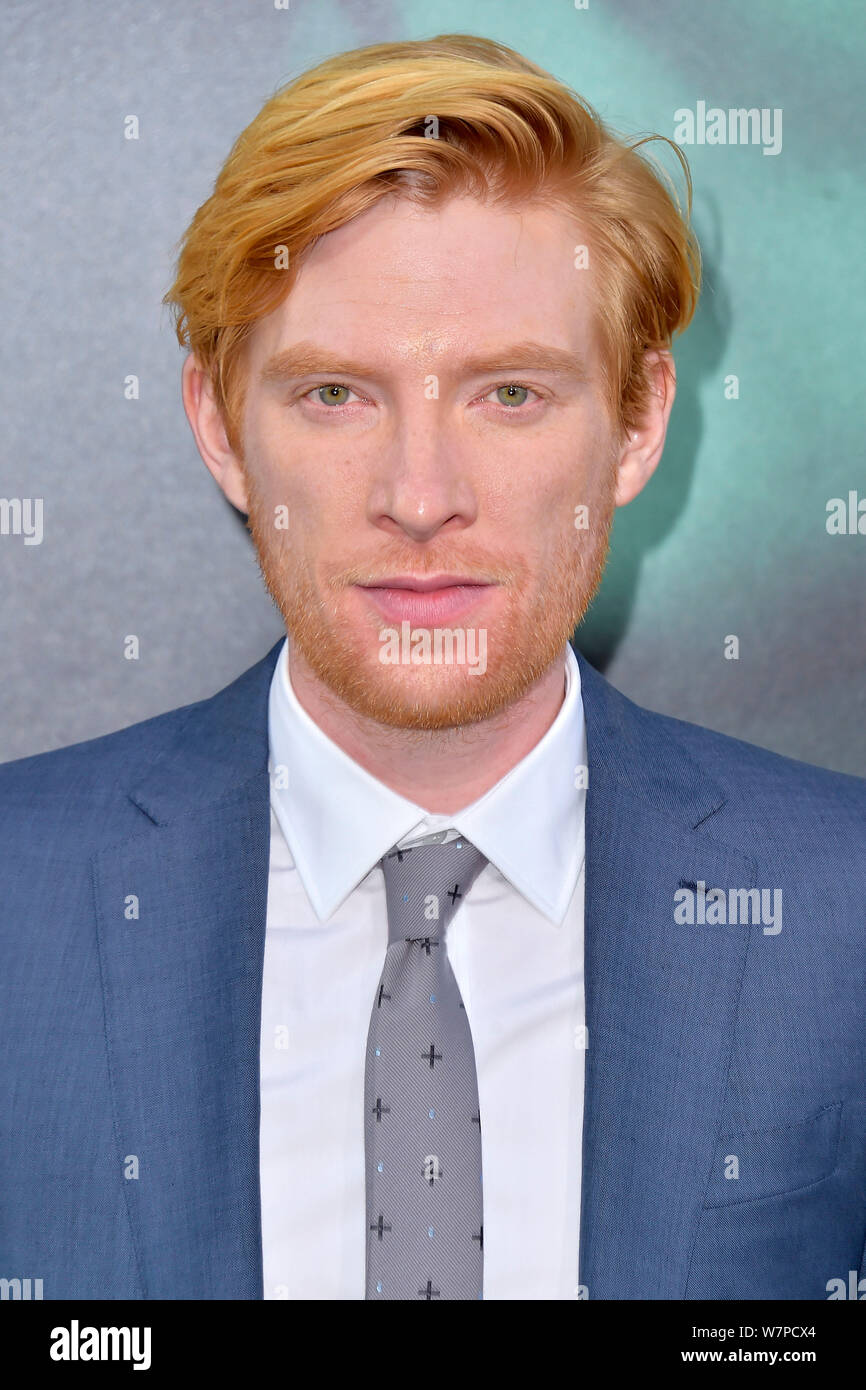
[{"x": 425, "y": 601}]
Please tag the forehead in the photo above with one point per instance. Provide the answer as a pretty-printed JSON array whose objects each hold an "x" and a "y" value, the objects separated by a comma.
[{"x": 414, "y": 283}]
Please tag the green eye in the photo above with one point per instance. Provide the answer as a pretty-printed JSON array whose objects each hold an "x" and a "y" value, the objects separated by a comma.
[
  {"x": 511, "y": 398},
  {"x": 332, "y": 398}
]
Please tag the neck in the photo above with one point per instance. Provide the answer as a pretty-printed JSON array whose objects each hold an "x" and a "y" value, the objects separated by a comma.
[{"x": 441, "y": 770}]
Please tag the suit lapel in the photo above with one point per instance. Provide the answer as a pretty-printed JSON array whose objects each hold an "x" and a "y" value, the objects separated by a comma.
[
  {"x": 661, "y": 1001},
  {"x": 181, "y": 911},
  {"x": 182, "y": 991}
]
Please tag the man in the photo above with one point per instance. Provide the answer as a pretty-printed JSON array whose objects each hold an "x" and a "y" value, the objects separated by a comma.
[{"x": 420, "y": 900}]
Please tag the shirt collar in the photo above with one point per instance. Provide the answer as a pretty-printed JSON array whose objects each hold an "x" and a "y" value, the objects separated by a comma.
[{"x": 338, "y": 820}]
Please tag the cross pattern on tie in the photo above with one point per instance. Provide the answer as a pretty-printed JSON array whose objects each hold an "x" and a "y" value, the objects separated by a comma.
[{"x": 422, "y": 1122}]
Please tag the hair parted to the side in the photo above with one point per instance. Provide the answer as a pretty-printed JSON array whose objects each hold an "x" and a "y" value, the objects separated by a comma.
[{"x": 343, "y": 135}]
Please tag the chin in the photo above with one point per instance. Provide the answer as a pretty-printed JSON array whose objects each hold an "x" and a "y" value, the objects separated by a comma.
[
  {"x": 420, "y": 697},
  {"x": 414, "y": 699}
]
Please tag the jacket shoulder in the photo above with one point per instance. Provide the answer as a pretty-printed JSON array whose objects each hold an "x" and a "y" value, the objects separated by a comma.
[
  {"x": 88, "y": 782},
  {"x": 83, "y": 779},
  {"x": 672, "y": 753},
  {"x": 747, "y": 769}
]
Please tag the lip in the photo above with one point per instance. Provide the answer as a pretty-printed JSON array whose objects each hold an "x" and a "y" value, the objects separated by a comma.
[
  {"x": 428, "y": 601},
  {"x": 428, "y": 585}
]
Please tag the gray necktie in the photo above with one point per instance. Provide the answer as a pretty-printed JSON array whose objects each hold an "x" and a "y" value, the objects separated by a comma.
[{"x": 422, "y": 1120}]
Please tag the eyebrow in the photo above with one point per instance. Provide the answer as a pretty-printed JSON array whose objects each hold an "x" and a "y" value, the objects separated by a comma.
[{"x": 307, "y": 359}]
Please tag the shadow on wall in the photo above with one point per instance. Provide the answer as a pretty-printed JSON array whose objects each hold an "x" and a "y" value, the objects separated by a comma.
[{"x": 647, "y": 521}]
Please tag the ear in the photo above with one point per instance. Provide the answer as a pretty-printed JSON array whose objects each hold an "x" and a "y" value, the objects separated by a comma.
[
  {"x": 643, "y": 446},
  {"x": 206, "y": 423}
]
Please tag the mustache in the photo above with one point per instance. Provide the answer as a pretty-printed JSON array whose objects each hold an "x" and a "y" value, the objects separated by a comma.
[{"x": 489, "y": 571}]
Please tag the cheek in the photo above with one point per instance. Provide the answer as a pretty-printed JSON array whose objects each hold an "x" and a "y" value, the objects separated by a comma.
[
  {"x": 550, "y": 501},
  {"x": 585, "y": 473},
  {"x": 274, "y": 482},
  {"x": 325, "y": 479}
]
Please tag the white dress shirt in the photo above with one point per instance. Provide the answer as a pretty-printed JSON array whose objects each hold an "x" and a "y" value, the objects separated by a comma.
[{"x": 516, "y": 948}]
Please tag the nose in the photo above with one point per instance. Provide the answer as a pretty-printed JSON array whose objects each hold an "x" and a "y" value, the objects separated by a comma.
[{"x": 423, "y": 485}]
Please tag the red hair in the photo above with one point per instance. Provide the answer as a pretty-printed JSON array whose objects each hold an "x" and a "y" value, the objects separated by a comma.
[{"x": 337, "y": 139}]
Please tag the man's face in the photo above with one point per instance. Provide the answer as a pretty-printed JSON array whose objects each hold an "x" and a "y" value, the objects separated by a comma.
[{"x": 446, "y": 424}]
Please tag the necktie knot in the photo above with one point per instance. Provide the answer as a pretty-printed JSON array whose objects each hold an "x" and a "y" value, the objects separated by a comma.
[{"x": 426, "y": 884}]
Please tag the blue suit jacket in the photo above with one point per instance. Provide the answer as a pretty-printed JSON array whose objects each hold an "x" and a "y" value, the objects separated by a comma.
[{"x": 131, "y": 1043}]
